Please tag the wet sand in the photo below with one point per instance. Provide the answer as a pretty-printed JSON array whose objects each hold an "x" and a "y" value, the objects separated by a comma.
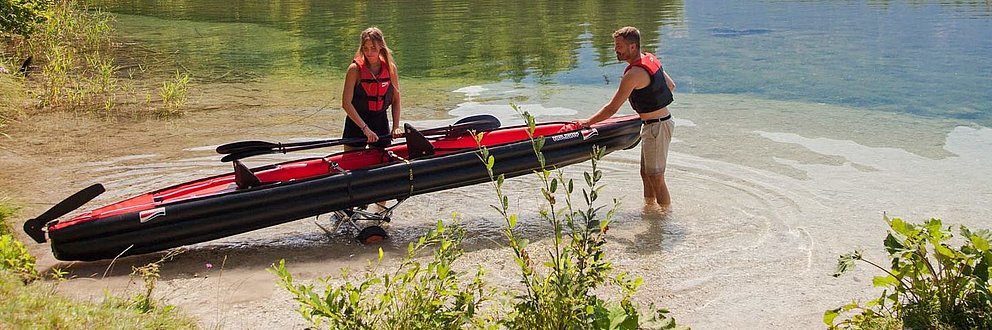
[{"x": 766, "y": 196}]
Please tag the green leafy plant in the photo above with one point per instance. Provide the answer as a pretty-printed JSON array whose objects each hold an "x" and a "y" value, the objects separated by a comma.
[
  {"x": 21, "y": 17},
  {"x": 560, "y": 295},
  {"x": 16, "y": 258},
  {"x": 929, "y": 284},
  {"x": 413, "y": 296}
]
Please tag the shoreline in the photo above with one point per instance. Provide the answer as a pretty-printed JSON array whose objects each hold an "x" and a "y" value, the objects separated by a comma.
[{"x": 763, "y": 210}]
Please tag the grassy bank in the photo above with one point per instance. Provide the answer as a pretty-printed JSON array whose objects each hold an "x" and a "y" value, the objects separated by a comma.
[
  {"x": 29, "y": 303},
  {"x": 35, "y": 305}
]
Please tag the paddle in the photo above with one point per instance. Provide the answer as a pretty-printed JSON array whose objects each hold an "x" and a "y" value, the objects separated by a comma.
[
  {"x": 34, "y": 226},
  {"x": 252, "y": 148},
  {"x": 248, "y": 152}
]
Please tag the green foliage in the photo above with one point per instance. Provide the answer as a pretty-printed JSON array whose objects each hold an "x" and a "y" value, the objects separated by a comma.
[
  {"x": 414, "y": 296},
  {"x": 560, "y": 295},
  {"x": 16, "y": 258},
  {"x": 929, "y": 284},
  {"x": 174, "y": 94},
  {"x": 21, "y": 17},
  {"x": 73, "y": 48}
]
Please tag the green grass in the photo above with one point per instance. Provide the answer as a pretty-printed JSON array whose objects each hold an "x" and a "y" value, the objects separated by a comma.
[
  {"x": 6, "y": 211},
  {"x": 12, "y": 95},
  {"x": 35, "y": 306}
]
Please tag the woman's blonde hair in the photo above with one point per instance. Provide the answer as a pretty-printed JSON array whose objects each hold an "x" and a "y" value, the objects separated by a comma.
[{"x": 374, "y": 35}]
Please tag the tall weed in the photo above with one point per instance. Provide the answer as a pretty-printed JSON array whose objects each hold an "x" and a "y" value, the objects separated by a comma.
[
  {"x": 929, "y": 284},
  {"x": 560, "y": 295},
  {"x": 143, "y": 302}
]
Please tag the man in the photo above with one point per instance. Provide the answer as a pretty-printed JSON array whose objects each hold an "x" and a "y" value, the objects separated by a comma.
[{"x": 649, "y": 90}]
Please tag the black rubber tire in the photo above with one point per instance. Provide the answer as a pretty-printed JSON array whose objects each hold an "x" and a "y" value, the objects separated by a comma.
[{"x": 372, "y": 235}]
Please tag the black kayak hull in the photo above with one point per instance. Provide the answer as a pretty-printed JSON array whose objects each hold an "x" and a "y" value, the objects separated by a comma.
[{"x": 201, "y": 220}]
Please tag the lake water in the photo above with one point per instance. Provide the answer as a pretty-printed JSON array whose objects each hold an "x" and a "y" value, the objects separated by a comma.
[{"x": 798, "y": 123}]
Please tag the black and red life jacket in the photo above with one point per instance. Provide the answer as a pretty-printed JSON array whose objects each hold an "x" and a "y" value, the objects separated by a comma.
[
  {"x": 373, "y": 93},
  {"x": 656, "y": 94}
]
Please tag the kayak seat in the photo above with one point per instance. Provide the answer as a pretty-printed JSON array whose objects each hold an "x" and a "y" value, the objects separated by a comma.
[
  {"x": 243, "y": 176},
  {"x": 416, "y": 144}
]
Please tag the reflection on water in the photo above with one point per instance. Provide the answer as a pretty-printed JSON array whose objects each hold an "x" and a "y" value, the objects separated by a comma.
[
  {"x": 481, "y": 40},
  {"x": 924, "y": 58}
]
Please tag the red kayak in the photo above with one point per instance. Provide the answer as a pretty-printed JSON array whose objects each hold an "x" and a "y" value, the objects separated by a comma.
[{"x": 248, "y": 199}]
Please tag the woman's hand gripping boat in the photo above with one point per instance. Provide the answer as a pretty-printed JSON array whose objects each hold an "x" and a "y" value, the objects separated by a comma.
[{"x": 341, "y": 183}]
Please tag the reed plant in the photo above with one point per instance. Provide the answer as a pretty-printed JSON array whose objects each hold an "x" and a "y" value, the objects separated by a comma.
[
  {"x": 77, "y": 72},
  {"x": 149, "y": 274},
  {"x": 71, "y": 43},
  {"x": 175, "y": 93},
  {"x": 928, "y": 284}
]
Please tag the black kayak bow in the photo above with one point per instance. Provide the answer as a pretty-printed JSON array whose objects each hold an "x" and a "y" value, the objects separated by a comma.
[{"x": 34, "y": 226}]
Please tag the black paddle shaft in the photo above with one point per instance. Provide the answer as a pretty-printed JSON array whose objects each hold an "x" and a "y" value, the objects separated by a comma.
[{"x": 242, "y": 149}]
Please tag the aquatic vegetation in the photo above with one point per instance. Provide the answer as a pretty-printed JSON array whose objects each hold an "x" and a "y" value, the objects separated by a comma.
[
  {"x": 929, "y": 285},
  {"x": 73, "y": 46},
  {"x": 174, "y": 94}
]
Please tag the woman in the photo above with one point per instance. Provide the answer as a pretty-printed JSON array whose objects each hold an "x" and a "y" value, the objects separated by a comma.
[{"x": 370, "y": 87}]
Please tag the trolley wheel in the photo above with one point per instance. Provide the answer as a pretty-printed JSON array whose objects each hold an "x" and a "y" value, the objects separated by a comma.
[{"x": 372, "y": 235}]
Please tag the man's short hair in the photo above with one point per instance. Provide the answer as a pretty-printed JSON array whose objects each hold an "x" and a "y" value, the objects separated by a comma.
[{"x": 629, "y": 34}]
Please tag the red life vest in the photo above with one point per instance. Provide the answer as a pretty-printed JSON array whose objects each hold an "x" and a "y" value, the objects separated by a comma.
[
  {"x": 656, "y": 94},
  {"x": 372, "y": 92}
]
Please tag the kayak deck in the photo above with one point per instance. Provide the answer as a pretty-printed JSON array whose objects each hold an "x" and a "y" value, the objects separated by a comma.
[{"x": 308, "y": 169}]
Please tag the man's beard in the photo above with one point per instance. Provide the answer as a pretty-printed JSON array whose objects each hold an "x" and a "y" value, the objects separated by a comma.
[{"x": 623, "y": 57}]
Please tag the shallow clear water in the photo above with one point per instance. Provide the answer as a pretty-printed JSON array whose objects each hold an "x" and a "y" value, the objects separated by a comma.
[{"x": 798, "y": 123}]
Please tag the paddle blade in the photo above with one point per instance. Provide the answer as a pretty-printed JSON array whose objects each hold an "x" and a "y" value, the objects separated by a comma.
[
  {"x": 478, "y": 123},
  {"x": 246, "y": 154},
  {"x": 34, "y": 226},
  {"x": 245, "y": 145}
]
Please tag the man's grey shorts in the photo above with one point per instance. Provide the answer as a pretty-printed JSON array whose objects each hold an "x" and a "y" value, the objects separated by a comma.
[{"x": 655, "y": 139}]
